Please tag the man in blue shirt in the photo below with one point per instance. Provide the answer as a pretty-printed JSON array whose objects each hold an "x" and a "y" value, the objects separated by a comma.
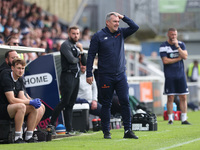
[
  {"x": 172, "y": 53},
  {"x": 109, "y": 44}
]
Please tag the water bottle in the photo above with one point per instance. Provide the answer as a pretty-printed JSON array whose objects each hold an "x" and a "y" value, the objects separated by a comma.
[
  {"x": 95, "y": 124},
  {"x": 49, "y": 132},
  {"x": 112, "y": 122},
  {"x": 165, "y": 107},
  {"x": 174, "y": 107},
  {"x": 99, "y": 124},
  {"x": 118, "y": 120}
]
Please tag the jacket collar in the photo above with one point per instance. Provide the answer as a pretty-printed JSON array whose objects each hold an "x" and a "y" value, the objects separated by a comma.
[
  {"x": 107, "y": 30},
  {"x": 71, "y": 41}
]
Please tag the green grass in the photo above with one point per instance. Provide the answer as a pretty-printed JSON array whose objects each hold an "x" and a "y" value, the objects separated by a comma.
[{"x": 176, "y": 136}]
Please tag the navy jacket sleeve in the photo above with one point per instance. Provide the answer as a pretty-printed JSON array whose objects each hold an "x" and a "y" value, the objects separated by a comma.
[
  {"x": 133, "y": 27},
  {"x": 94, "y": 45}
]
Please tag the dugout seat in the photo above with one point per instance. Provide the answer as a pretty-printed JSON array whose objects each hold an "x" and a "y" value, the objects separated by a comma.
[{"x": 7, "y": 131}]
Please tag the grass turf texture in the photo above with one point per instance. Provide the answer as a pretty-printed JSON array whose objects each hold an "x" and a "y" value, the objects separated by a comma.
[{"x": 176, "y": 136}]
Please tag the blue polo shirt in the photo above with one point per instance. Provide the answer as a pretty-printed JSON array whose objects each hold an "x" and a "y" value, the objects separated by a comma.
[{"x": 170, "y": 51}]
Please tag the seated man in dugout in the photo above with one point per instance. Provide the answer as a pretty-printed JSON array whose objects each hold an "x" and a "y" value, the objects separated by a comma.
[
  {"x": 88, "y": 93},
  {"x": 9, "y": 57},
  {"x": 14, "y": 104}
]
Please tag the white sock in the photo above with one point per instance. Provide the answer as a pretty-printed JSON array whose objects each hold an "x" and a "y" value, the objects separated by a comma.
[
  {"x": 18, "y": 134},
  {"x": 183, "y": 117},
  {"x": 170, "y": 117},
  {"x": 28, "y": 135}
]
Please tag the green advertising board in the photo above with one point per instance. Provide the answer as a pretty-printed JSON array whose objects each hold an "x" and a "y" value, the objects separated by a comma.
[{"x": 172, "y": 6}]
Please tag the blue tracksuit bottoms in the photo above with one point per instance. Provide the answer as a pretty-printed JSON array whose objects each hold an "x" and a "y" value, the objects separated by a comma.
[{"x": 108, "y": 83}]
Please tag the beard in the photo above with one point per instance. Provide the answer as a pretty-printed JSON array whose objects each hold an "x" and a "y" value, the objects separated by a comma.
[
  {"x": 74, "y": 40},
  {"x": 9, "y": 63},
  {"x": 171, "y": 39}
]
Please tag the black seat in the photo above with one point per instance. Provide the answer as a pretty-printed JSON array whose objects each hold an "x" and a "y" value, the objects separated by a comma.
[{"x": 7, "y": 131}]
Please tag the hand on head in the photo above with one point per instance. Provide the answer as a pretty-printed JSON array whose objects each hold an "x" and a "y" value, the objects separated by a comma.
[{"x": 119, "y": 15}]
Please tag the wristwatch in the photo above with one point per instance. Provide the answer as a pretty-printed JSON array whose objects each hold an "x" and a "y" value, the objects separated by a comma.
[
  {"x": 178, "y": 47},
  {"x": 81, "y": 52}
]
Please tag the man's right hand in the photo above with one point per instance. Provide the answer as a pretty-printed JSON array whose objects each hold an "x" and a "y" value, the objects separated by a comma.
[
  {"x": 89, "y": 80},
  {"x": 35, "y": 103}
]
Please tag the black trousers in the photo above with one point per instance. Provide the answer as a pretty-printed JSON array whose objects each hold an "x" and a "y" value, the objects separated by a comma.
[{"x": 69, "y": 86}]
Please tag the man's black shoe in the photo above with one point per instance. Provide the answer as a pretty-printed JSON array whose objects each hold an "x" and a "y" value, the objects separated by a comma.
[
  {"x": 107, "y": 135},
  {"x": 19, "y": 140},
  {"x": 31, "y": 140},
  {"x": 186, "y": 123},
  {"x": 130, "y": 134}
]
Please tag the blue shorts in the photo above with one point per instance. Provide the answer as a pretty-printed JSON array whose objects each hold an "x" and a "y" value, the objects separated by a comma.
[{"x": 176, "y": 86}]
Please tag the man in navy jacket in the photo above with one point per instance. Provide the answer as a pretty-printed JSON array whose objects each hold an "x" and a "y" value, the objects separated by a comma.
[{"x": 109, "y": 44}]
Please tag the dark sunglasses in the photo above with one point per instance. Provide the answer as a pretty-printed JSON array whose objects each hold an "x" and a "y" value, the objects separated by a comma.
[{"x": 15, "y": 43}]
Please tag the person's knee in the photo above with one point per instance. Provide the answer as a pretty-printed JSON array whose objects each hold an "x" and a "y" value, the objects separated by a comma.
[
  {"x": 21, "y": 107},
  {"x": 31, "y": 110},
  {"x": 170, "y": 98},
  {"x": 124, "y": 101},
  {"x": 106, "y": 102},
  {"x": 182, "y": 97},
  {"x": 106, "y": 105},
  {"x": 41, "y": 110}
]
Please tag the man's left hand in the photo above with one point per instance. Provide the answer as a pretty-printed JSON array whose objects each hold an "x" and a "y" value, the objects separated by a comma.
[{"x": 120, "y": 16}]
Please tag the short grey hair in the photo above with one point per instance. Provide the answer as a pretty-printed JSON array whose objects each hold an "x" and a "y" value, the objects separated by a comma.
[
  {"x": 172, "y": 29},
  {"x": 110, "y": 14}
]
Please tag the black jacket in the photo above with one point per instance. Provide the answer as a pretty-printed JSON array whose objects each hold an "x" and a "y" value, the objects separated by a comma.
[
  {"x": 70, "y": 57},
  {"x": 4, "y": 66}
]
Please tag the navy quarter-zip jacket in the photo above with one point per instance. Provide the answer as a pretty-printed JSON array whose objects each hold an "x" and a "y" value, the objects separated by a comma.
[{"x": 110, "y": 49}]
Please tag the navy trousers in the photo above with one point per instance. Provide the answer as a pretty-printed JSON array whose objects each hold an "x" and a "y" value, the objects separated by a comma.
[{"x": 107, "y": 85}]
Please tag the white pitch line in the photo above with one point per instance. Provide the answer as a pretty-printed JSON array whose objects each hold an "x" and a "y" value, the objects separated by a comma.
[
  {"x": 81, "y": 134},
  {"x": 121, "y": 140},
  {"x": 180, "y": 144}
]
